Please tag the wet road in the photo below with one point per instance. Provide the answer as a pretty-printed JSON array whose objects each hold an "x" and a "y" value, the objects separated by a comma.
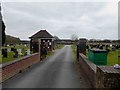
[{"x": 58, "y": 71}]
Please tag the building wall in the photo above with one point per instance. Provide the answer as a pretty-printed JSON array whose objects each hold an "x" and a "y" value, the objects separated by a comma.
[{"x": 47, "y": 43}]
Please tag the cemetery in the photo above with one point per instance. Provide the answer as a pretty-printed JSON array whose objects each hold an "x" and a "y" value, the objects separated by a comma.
[
  {"x": 96, "y": 60},
  {"x": 10, "y": 53},
  {"x": 84, "y": 55},
  {"x": 99, "y": 61},
  {"x": 99, "y": 70}
]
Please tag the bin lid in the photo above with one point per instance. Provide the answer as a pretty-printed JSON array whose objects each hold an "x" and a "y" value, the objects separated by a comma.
[{"x": 97, "y": 50}]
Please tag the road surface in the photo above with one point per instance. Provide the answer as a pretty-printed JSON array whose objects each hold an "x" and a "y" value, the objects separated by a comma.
[{"x": 58, "y": 71}]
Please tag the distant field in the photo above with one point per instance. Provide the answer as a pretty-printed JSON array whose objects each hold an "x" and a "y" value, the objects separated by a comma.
[
  {"x": 59, "y": 46},
  {"x": 10, "y": 54},
  {"x": 112, "y": 56}
]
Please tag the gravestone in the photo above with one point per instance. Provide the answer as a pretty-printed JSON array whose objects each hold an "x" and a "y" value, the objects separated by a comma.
[
  {"x": 12, "y": 49},
  {"x": 111, "y": 45},
  {"x": 87, "y": 47},
  {"x": 15, "y": 53},
  {"x": 8, "y": 50},
  {"x": 4, "y": 53},
  {"x": 8, "y": 45},
  {"x": 108, "y": 50},
  {"x": 101, "y": 47},
  {"x": 28, "y": 52},
  {"x": 19, "y": 52},
  {"x": 113, "y": 49}
]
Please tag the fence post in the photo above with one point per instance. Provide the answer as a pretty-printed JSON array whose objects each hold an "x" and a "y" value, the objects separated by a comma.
[{"x": 39, "y": 44}]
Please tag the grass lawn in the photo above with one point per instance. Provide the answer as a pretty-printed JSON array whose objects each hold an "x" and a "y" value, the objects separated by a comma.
[
  {"x": 59, "y": 46},
  {"x": 50, "y": 53},
  {"x": 10, "y": 54},
  {"x": 74, "y": 48},
  {"x": 112, "y": 58}
]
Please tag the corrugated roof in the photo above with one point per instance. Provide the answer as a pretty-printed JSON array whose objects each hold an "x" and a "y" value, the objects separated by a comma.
[{"x": 42, "y": 34}]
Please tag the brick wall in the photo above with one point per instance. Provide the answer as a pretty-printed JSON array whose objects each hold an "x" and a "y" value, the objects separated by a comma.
[
  {"x": 89, "y": 68},
  {"x": 108, "y": 77},
  {"x": 12, "y": 68},
  {"x": 100, "y": 76}
]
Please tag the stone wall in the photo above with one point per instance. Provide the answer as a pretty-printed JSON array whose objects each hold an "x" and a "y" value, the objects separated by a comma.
[{"x": 12, "y": 68}]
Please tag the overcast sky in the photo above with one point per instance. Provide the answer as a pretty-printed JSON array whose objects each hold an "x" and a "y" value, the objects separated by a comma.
[{"x": 92, "y": 20}]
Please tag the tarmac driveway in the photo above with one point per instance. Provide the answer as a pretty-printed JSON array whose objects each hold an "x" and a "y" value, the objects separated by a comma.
[{"x": 58, "y": 71}]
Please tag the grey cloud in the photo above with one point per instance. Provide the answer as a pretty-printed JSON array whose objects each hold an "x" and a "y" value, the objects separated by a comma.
[{"x": 61, "y": 19}]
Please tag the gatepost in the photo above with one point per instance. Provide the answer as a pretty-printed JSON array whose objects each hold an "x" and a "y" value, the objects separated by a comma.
[
  {"x": 82, "y": 45},
  {"x": 39, "y": 44}
]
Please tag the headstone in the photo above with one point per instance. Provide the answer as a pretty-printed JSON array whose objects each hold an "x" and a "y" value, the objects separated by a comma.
[
  {"x": 87, "y": 47},
  {"x": 113, "y": 49},
  {"x": 19, "y": 52},
  {"x": 12, "y": 49},
  {"x": 28, "y": 52},
  {"x": 4, "y": 53},
  {"x": 8, "y": 50},
  {"x": 8, "y": 45},
  {"x": 110, "y": 45},
  {"x": 15, "y": 53},
  {"x": 101, "y": 47},
  {"x": 108, "y": 50}
]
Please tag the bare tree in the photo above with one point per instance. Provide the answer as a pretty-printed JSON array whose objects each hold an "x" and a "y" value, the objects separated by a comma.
[
  {"x": 56, "y": 37},
  {"x": 74, "y": 37}
]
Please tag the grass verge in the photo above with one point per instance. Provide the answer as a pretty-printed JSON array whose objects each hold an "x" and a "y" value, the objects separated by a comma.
[
  {"x": 74, "y": 49},
  {"x": 59, "y": 46}
]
